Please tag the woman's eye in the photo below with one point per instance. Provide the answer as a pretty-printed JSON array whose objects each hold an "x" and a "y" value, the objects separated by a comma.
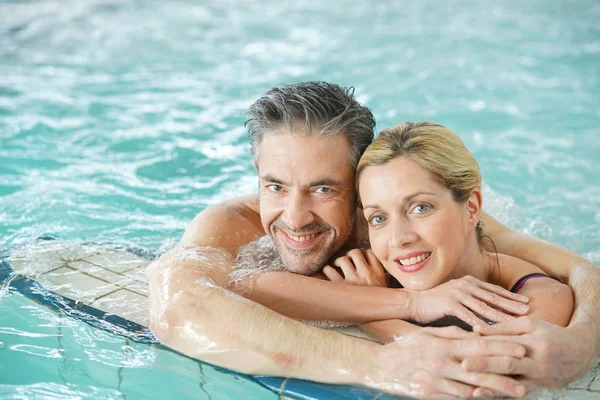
[
  {"x": 377, "y": 220},
  {"x": 422, "y": 208},
  {"x": 274, "y": 188},
  {"x": 323, "y": 190}
]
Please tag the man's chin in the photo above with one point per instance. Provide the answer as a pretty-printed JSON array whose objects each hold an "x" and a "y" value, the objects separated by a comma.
[
  {"x": 302, "y": 268},
  {"x": 303, "y": 262}
]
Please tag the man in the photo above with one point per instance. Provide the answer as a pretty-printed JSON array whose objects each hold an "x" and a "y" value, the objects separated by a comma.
[{"x": 306, "y": 140}]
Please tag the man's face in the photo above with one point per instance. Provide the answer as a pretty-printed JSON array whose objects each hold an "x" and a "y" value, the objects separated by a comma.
[{"x": 307, "y": 198}]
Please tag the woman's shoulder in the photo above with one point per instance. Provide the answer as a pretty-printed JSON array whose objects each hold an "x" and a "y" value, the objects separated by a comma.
[
  {"x": 509, "y": 270},
  {"x": 550, "y": 300}
]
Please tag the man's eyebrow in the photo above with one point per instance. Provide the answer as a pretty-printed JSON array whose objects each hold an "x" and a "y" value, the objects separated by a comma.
[
  {"x": 273, "y": 179},
  {"x": 325, "y": 182},
  {"x": 320, "y": 182},
  {"x": 405, "y": 198}
]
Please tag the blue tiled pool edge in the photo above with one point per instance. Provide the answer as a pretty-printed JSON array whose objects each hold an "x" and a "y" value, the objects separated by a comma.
[{"x": 290, "y": 388}]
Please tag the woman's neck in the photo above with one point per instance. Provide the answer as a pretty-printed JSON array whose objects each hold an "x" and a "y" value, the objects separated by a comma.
[{"x": 474, "y": 261}]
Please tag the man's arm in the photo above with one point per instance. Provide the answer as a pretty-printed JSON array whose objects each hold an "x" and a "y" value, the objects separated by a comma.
[
  {"x": 191, "y": 311},
  {"x": 581, "y": 275},
  {"x": 557, "y": 355}
]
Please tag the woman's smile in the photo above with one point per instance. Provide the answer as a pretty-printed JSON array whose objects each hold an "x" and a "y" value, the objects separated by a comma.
[{"x": 412, "y": 262}]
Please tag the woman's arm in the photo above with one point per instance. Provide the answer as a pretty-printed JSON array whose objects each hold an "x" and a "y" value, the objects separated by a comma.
[{"x": 312, "y": 299}]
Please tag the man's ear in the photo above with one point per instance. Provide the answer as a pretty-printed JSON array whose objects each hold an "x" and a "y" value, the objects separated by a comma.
[{"x": 473, "y": 208}]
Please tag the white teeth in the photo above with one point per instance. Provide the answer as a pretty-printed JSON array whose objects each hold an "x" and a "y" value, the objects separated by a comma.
[
  {"x": 302, "y": 238},
  {"x": 414, "y": 260}
]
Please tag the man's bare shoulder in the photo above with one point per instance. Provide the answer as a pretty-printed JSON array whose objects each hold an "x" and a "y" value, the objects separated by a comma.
[{"x": 228, "y": 225}]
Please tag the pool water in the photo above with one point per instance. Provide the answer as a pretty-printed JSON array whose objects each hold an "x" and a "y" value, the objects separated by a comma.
[{"x": 120, "y": 120}]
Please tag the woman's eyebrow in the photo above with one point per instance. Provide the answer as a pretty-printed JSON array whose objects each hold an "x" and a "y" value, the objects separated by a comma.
[
  {"x": 370, "y": 206},
  {"x": 410, "y": 196},
  {"x": 404, "y": 199}
]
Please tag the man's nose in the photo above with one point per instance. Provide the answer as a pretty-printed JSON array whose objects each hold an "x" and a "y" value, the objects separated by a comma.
[
  {"x": 402, "y": 234},
  {"x": 298, "y": 211}
]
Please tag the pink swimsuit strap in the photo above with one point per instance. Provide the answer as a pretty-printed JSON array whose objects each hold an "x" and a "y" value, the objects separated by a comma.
[{"x": 519, "y": 285}]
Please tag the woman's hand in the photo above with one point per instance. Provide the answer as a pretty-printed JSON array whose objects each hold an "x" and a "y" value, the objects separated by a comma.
[
  {"x": 359, "y": 269},
  {"x": 466, "y": 297}
]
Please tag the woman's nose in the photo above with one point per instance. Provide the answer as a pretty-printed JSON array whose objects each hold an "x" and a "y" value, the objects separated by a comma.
[{"x": 402, "y": 234}]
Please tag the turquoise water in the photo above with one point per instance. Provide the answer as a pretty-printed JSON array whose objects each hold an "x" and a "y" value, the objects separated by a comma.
[{"x": 119, "y": 121}]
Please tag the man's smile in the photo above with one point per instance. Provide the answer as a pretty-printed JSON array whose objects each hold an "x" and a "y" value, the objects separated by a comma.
[{"x": 302, "y": 241}]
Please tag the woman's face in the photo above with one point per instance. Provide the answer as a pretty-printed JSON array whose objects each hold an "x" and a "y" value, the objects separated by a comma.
[{"x": 416, "y": 229}]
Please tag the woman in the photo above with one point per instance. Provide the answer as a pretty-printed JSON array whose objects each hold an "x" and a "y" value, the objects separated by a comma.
[{"x": 420, "y": 190}]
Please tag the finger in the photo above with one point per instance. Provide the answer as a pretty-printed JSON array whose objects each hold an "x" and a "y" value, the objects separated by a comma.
[
  {"x": 529, "y": 384},
  {"x": 495, "y": 383},
  {"x": 502, "y": 365},
  {"x": 450, "y": 332},
  {"x": 347, "y": 268},
  {"x": 359, "y": 261},
  {"x": 483, "y": 392},
  {"x": 510, "y": 339},
  {"x": 453, "y": 389},
  {"x": 499, "y": 290},
  {"x": 441, "y": 396},
  {"x": 498, "y": 301},
  {"x": 332, "y": 274},
  {"x": 485, "y": 310},
  {"x": 466, "y": 315},
  {"x": 478, "y": 347},
  {"x": 518, "y": 326},
  {"x": 373, "y": 260}
]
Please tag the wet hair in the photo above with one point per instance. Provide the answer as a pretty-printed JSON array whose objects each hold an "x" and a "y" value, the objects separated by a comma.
[
  {"x": 432, "y": 146},
  {"x": 311, "y": 108}
]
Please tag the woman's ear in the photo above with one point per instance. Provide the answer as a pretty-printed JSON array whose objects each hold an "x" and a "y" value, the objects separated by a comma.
[{"x": 473, "y": 208}]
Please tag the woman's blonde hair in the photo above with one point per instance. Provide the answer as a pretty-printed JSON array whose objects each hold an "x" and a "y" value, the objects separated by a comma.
[{"x": 434, "y": 147}]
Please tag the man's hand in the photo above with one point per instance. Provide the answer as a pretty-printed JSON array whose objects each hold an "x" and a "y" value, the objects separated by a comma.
[
  {"x": 463, "y": 298},
  {"x": 358, "y": 268},
  {"x": 553, "y": 358},
  {"x": 427, "y": 364}
]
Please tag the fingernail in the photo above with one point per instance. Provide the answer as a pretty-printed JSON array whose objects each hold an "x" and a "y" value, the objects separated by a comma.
[
  {"x": 520, "y": 353},
  {"x": 484, "y": 393},
  {"x": 466, "y": 365},
  {"x": 477, "y": 328},
  {"x": 520, "y": 391},
  {"x": 524, "y": 307}
]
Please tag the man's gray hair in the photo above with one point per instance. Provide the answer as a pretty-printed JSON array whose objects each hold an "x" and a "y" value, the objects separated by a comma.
[{"x": 312, "y": 107}]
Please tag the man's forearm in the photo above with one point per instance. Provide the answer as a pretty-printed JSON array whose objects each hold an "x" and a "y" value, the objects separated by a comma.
[
  {"x": 553, "y": 259},
  {"x": 262, "y": 344},
  {"x": 191, "y": 312},
  {"x": 584, "y": 279},
  {"x": 582, "y": 276},
  {"x": 312, "y": 299}
]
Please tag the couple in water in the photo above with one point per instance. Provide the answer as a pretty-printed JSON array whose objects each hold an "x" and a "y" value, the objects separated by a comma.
[{"x": 334, "y": 213}]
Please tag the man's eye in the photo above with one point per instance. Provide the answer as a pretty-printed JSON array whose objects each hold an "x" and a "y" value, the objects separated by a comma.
[
  {"x": 274, "y": 188},
  {"x": 422, "y": 208},
  {"x": 323, "y": 190},
  {"x": 377, "y": 220}
]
